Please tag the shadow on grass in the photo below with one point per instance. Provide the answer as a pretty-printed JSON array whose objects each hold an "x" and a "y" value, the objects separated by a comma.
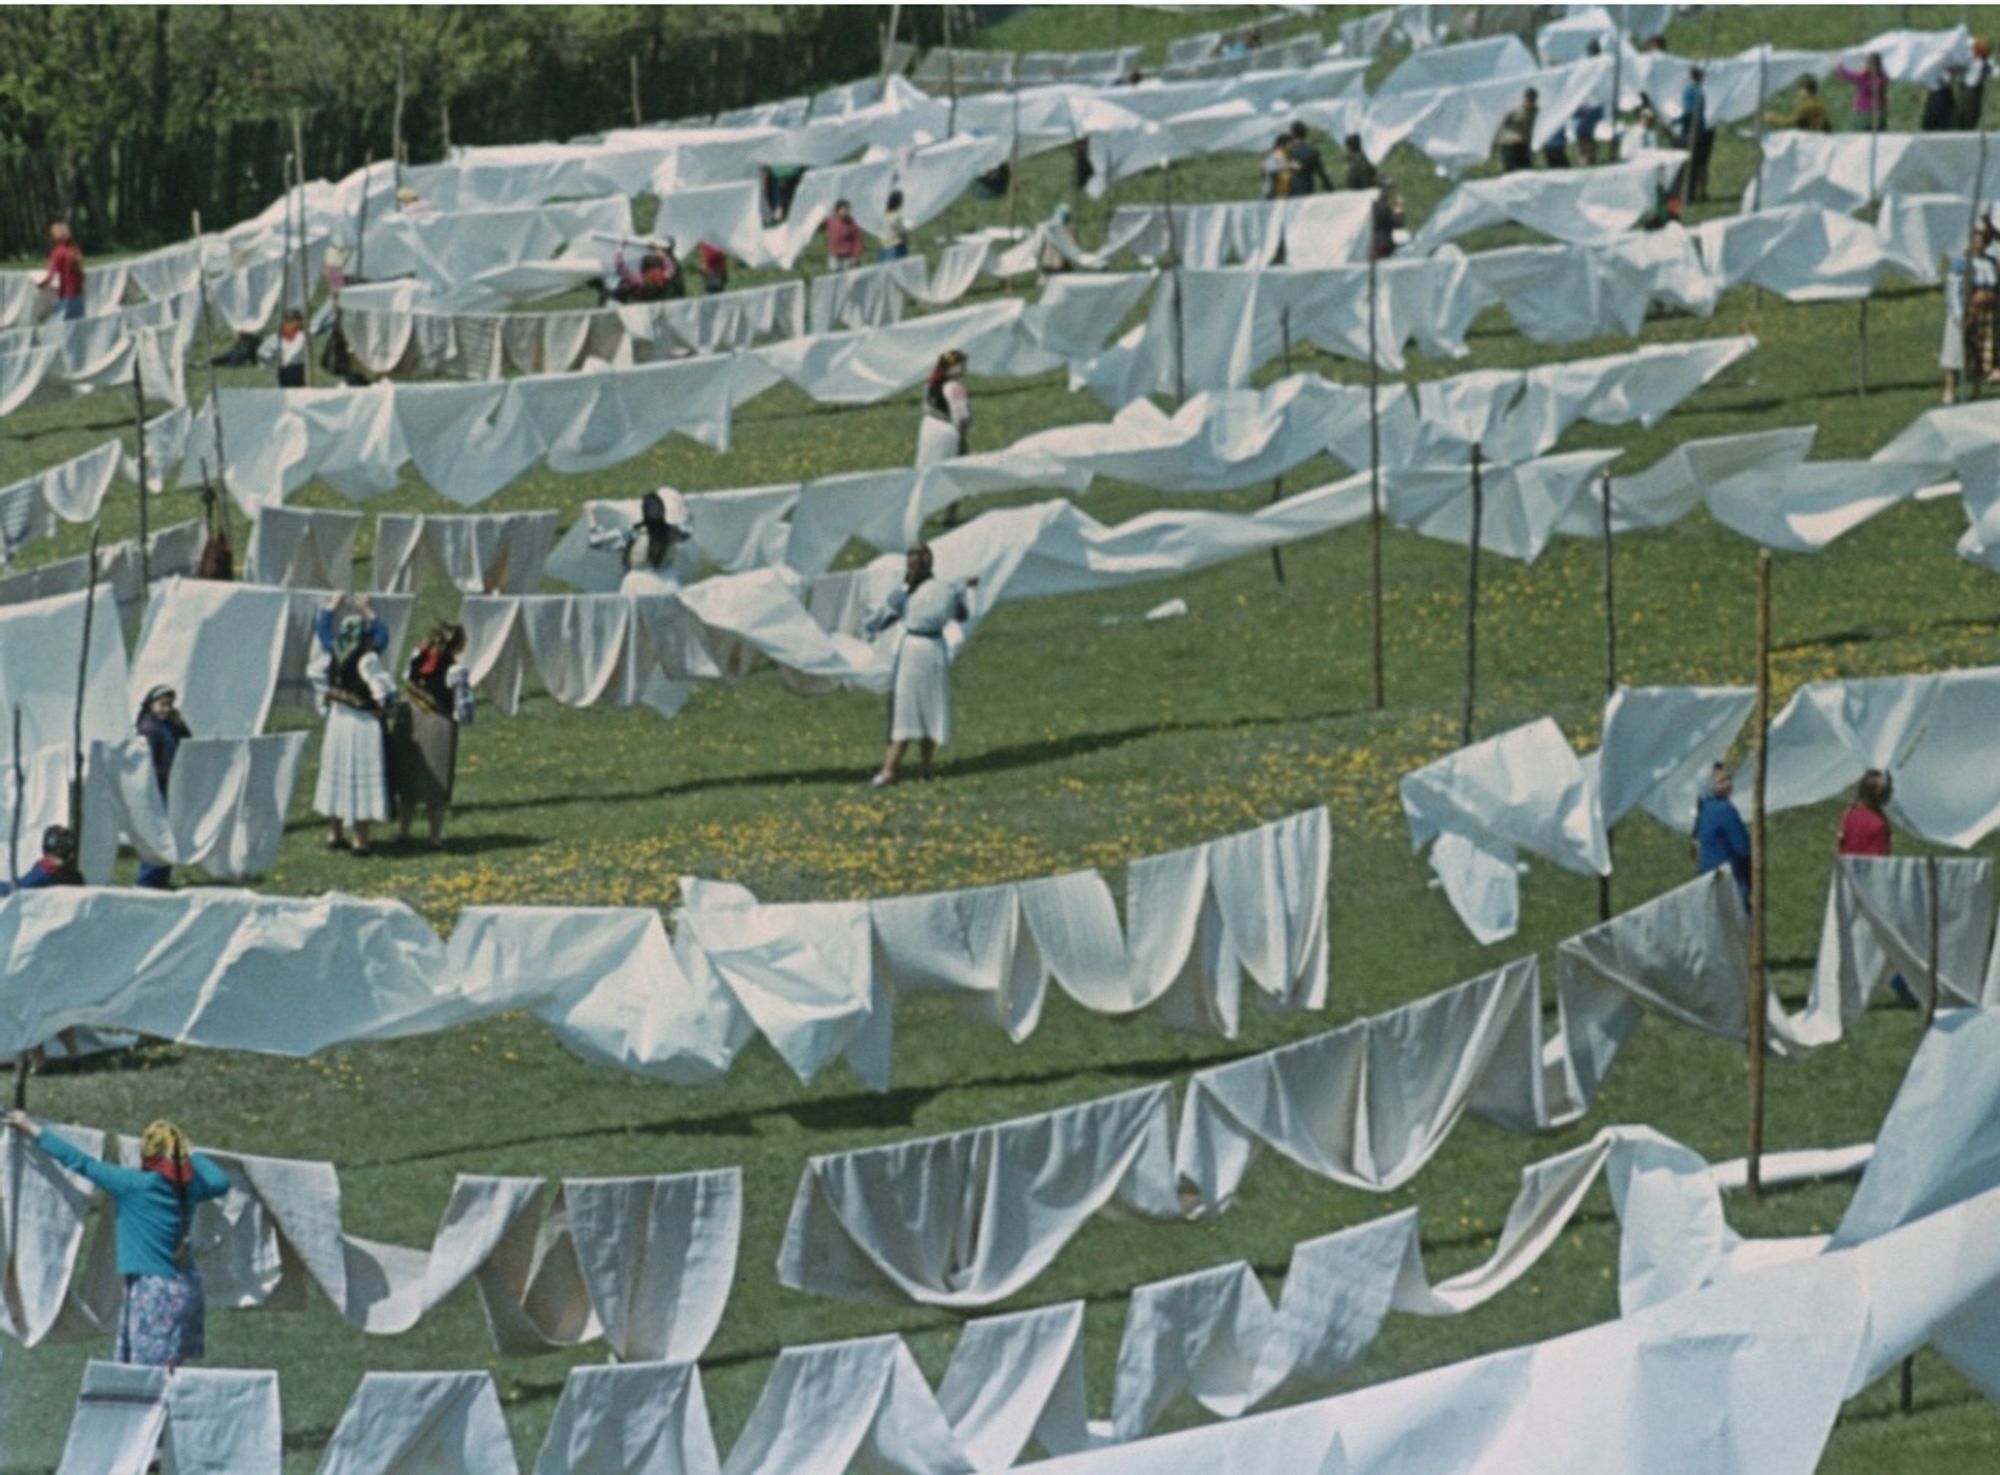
[
  {"x": 897, "y": 1107},
  {"x": 1860, "y": 635},
  {"x": 993, "y": 760},
  {"x": 69, "y": 429}
]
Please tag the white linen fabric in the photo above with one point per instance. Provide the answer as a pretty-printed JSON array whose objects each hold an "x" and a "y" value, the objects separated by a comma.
[
  {"x": 1803, "y": 253},
  {"x": 1879, "y": 922},
  {"x": 45, "y": 779},
  {"x": 172, "y": 552},
  {"x": 1844, "y": 171},
  {"x": 1572, "y": 293},
  {"x": 485, "y": 553},
  {"x": 224, "y": 810},
  {"x": 233, "y": 651},
  {"x": 41, "y": 1232},
  {"x": 1580, "y": 206},
  {"x": 95, "y": 353},
  {"x": 421, "y": 1424},
  {"x": 212, "y": 1421},
  {"x": 645, "y": 1418},
  {"x": 301, "y": 548},
  {"x": 41, "y": 646},
  {"x": 969, "y": 1218},
  {"x": 644, "y": 1263}
]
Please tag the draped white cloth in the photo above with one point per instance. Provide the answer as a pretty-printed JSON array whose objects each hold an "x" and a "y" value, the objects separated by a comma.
[
  {"x": 172, "y": 552},
  {"x": 1803, "y": 253},
  {"x": 99, "y": 353},
  {"x": 644, "y": 1263},
  {"x": 969, "y": 1218},
  {"x": 1879, "y": 922},
  {"x": 1579, "y": 206},
  {"x": 421, "y": 1424},
  {"x": 489, "y": 553},
  {"x": 233, "y": 651},
  {"x": 457, "y": 252},
  {"x": 301, "y": 548},
  {"x": 1844, "y": 171},
  {"x": 41, "y": 647},
  {"x": 224, "y": 810},
  {"x": 216, "y": 1421},
  {"x": 1314, "y": 231}
]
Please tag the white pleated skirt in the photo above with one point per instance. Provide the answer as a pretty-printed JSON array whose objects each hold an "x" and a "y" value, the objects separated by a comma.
[
  {"x": 937, "y": 440},
  {"x": 920, "y": 707},
  {"x": 353, "y": 775}
]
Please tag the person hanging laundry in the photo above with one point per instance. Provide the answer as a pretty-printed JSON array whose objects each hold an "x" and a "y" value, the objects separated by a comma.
[
  {"x": 160, "y": 723},
  {"x": 1871, "y": 91},
  {"x": 843, "y": 238},
  {"x": 947, "y": 423},
  {"x": 327, "y": 621},
  {"x": 1720, "y": 837},
  {"x": 65, "y": 273},
  {"x": 1971, "y": 316},
  {"x": 714, "y": 266},
  {"x": 1516, "y": 137},
  {"x": 1864, "y": 830},
  {"x": 924, "y": 606},
  {"x": 1276, "y": 170},
  {"x": 355, "y": 690},
  {"x": 1309, "y": 174},
  {"x": 1361, "y": 172},
  {"x": 1940, "y": 110},
  {"x": 1808, "y": 112},
  {"x": 895, "y": 234},
  {"x": 293, "y": 345},
  {"x": 161, "y": 1316},
  {"x": 665, "y": 523},
  {"x": 1696, "y": 137},
  {"x": 423, "y": 739}
]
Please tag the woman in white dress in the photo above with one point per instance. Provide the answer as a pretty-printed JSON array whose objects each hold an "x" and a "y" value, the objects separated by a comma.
[
  {"x": 947, "y": 412},
  {"x": 920, "y": 699},
  {"x": 665, "y": 522},
  {"x": 357, "y": 693}
]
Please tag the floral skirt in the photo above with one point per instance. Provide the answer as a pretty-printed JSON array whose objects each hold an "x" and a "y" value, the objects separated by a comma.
[{"x": 160, "y": 1324}]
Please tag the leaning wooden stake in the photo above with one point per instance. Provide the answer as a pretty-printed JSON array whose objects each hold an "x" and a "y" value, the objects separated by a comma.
[
  {"x": 1278, "y": 482},
  {"x": 1861, "y": 358},
  {"x": 1374, "y": 496},
  {"x": 214, "y": 392},
  {"x": 82, "y": 684},
  {"x": 1174, "y": 251},
  {"x": 1759, "y": 984},
  {"x": 1931, "y": 887},
  {"x": 1472, "y": 603},
  {"x": 14, "y": 875},
  {"x": 1610, "y": 677},
  {"x": 139, "y": 424},
  {"x": 638, "y": 113}
]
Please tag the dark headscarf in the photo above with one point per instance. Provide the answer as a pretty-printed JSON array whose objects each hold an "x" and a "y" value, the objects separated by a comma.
[{"x": 659, "y": 532}]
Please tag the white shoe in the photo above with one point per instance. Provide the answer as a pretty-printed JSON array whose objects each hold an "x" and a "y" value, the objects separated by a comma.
[{"x": 881, "y": 780}]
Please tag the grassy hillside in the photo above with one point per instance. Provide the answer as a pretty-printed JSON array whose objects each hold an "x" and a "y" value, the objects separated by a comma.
[{"x": 1089, "y": 743}]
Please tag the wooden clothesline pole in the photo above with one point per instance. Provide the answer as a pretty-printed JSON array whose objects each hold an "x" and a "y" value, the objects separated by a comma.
[
  {"x": 1472, "y": 602},
  {"x": 14, "y": 875},
  {"x": 1278, "y": 482},
  {"x": 1759, "y": 991},
  {"x": 139, "y": 428},
  {"x": 1610, "y": 677},
  {"x": 1374, "y": 495},
  {"x": 214, "y": 392},
  {"x": 82, "y": 685}
]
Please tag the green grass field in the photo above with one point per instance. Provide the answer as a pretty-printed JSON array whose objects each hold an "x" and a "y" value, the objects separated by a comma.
[{"x": 1091, "y": 744}]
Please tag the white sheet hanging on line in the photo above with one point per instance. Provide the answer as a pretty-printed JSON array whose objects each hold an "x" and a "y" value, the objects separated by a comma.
[
  {"x": 421, "y": 1424},
  {"x": 224, "y": 810},
  {"x": 170, "y": 553},
  {"x": 232, "y": 651},
  {"x": 1580, "y": 206},
  {"x": 301, "y": 548},
  {"x": 969, "y": 1218},
  {"x": 1879, "y": 920},
  {"x": 41, "y": 644},
  {"x": 480, "y": 553},
  {"x": 214, "y": 1421}
]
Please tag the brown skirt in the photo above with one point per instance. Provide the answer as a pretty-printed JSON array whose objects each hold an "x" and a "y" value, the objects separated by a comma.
[{"x": 423, "y": 756}]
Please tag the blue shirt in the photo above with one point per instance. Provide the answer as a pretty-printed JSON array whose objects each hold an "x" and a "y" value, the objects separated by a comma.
[
  {"x": 1722, "y": 840},
  {"x": 1694, "y": 113},
  {"x": 149, "y": 1210}
]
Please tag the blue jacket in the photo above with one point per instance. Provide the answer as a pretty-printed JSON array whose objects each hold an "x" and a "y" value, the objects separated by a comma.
[
  {"x": 149, "y": 1210},
  {"x": 1722, "y": 840}
]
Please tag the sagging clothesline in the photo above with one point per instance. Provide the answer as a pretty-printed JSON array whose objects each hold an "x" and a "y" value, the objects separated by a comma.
[
  {"x": 1526, "y": 789},
  {"x": 242, "y": 270},
  {"x": 1366, "y": 1105},
  {"x": 1213, "y": 1335},
  {"x": 236, "y": 970},
  {"x": 644, "y": 1263}
]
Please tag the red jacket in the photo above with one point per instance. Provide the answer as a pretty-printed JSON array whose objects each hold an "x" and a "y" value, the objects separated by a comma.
[
  {"x": 66, "y": 270},
  {"x": 843, "y": 237}
]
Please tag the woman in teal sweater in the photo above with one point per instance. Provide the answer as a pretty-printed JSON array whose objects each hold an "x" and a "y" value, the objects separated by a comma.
[{"x": 160, "y": 1323}]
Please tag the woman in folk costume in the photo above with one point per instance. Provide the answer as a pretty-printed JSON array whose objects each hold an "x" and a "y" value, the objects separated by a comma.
[
  {"x": 164, "y": 729},
  {"x": 1971, "y": 308},
  {"x": 665, "y": 522},
  {"x": 355, "y": 689},
  {"x": 920, "y": 697},
  {"x": 423, "y": 739},
  {"x": 160, "y": 1321},
  {"x": 947, "y": 412}
]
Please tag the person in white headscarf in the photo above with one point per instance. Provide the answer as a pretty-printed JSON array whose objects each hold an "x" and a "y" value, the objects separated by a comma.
[
  {"x": 947, "y": 418},
  {"x": 665, "y": 522},
  {"x": 920, "y": 697}
]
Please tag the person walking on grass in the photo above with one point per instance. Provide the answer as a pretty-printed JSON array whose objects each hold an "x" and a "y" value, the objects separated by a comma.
[
  {"x": 160, "y": 723},
  {"x": 1309, "y": 174},
  {"x": 1721, "y": 840},
  {"x": 920, "y": 693},
  {"x": 161, "y": 1317},
  {"x": 65, "y": 273},
  {"x": 843, "y": 238},
  {"x": 1864, "y": 830},
  {"x": 423, "y": 740},
  {"x": 355, "y": 690},
  {"x": 1871, "y": 91},
  {"x": 1808, "y": 112}
]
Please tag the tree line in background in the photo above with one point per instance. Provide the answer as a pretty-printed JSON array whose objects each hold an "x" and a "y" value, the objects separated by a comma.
[{"x": 123, "y": 120}]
